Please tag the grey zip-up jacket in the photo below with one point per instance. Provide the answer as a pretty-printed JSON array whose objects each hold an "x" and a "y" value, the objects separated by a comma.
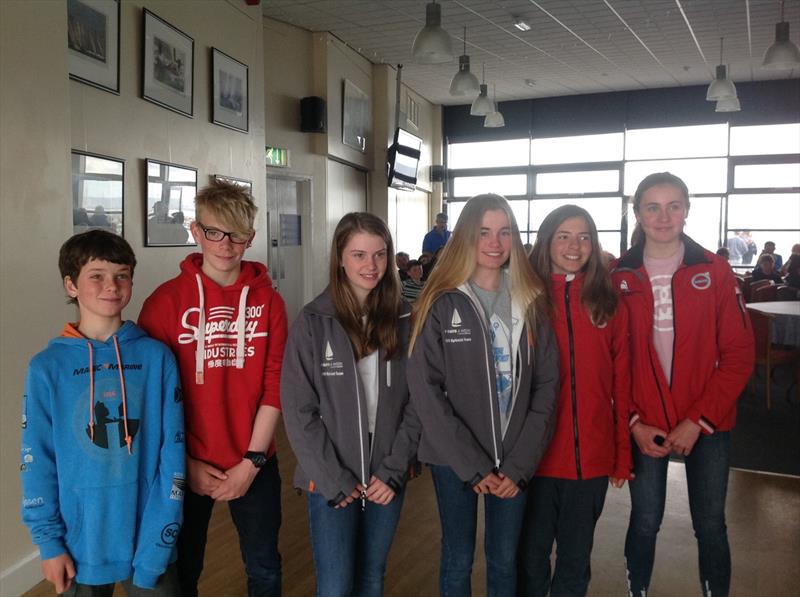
[
  {"x": 452, "y": 382},
  {"x": 325, "y": 409}
]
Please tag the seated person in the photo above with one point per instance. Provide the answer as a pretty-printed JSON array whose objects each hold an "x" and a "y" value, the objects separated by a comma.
[
  {"x": 765, "y": 270},
  {"x": 413, "y": 285},
  {"x": 402, "y": 265},
  {"x": 724, "y": 253},
  {"x": 792, "y": 267},
  {"x": 769, "y": 247},
  {"x": 795, "y": 251}
]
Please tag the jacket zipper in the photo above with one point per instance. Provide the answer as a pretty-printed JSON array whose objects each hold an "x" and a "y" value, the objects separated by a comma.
[
  {"x": 652, "y": 364},
  {"x": 360, "y": 424},
  {"x": 572, "y": 383},
  {"x": 489, "y": 384}
]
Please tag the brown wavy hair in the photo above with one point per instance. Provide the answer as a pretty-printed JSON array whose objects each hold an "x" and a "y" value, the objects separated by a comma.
[
  {"x": 382, "y": 306},
  {"x": 597, "y": 294}
]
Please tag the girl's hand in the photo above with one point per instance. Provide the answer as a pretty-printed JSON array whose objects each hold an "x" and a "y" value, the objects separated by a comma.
[
  {"x": 645, "y": 438},
  {"x": 488, "y": 484},
  {"x": 616, "y": 482},
  {"x": 683, "y": 438},
  {"x": 354, "y": 495},
  {"x": 379, "y": 492},
  {"x": 507, "y": 488}
]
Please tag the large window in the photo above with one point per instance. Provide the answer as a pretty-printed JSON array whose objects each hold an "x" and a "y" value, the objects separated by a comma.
[{"x": 740, "y": 178}]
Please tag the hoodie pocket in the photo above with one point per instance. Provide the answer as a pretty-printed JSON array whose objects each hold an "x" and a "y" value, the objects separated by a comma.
[{"x": 107, "y": 525}]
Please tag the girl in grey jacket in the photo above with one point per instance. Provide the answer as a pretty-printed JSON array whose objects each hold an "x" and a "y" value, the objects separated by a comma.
[
  {"x": 484, "y": 384},
  {"x": 347, "y": 412}
]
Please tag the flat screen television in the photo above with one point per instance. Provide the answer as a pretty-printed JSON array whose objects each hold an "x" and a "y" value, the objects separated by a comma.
[{"x": 402, "y": 160}]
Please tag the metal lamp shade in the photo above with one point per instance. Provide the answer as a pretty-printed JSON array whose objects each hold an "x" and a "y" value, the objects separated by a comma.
[
  {"x": 482, "y": 104},
  {"x": 783, "y": 54},
  {"x": 432, "y": 44},
  {"x": 464, "y": 82},
  {"x": 721, "y": 87}
]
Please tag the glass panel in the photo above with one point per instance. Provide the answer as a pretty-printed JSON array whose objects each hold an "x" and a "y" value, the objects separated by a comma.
[
  {"x": 751, "y": 212},
  {"x": 783, "y": 246},
  {"x": 767, "y": 139},
  {"x": 580, "y": 149},
  {"x": 504, "y": 184},
  {"x": 520, "y": 210},
  {"x": 100, "y": 166},
  {"x": 605, "y": 211},
  {"x": 97, "y": 194},
  {"x": 609, "y": 241},
  {"x": 677, "y": 142},
  {"x": 488, "y": 154},
  {"x": 592, "y": 181},
  {"x": 766, "y": 176},
  {"x": 454, "y": 209},
  {"x": 170, "y": 204},
  {"x": 412, "y": 221},
  {"x": 701, "y": 176}
]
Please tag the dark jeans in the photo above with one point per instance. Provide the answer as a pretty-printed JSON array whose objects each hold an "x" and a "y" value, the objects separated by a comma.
[
  {"x": 458, "y": 513},
  {"x": 257, "y": 516},
  {"x": 707, "y": 480},
  {"x": 167, "y": 586},
  {"x": 565, "y": 511},
  {"x": 351, "y": 546}
]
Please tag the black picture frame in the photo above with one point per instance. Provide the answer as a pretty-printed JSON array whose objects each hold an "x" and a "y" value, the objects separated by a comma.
[
  {"x": 98, "y": 193},
  {"x": 167, "y": 65},
  {"x": 230, "y": 92},
  {"x": 93, "y": 33},
  {"x": 170, "y": 191}
]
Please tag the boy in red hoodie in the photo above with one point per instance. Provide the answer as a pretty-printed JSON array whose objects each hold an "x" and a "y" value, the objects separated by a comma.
[{"x": 227, "y": 328}]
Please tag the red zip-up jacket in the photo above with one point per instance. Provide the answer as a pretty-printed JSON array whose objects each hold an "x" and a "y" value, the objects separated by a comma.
[
  {"x": 713, "y": 351},
  {"x": 591, "y": 438}
]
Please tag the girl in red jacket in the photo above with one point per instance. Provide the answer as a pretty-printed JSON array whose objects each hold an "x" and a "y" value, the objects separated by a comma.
[
  {"x": 591, "y": 446},
  {"x": 692, "y": 352}
]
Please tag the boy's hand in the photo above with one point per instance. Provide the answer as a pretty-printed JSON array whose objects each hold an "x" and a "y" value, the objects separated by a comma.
[
  {"x": 203, "y": 478},
  {"x": 237, "y": 481},
  {"x": 60, "y": 571},
  {"x": 506, "y": 489}
]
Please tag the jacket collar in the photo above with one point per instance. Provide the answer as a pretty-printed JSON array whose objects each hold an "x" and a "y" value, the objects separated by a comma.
[{"x": 693, "y": 254}]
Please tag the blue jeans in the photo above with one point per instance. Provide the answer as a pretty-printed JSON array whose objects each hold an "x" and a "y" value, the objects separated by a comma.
[
  {"x": 257, "y": 517},
  {"x": 707, "y": 480},
  {"x": 351, "y": 545},
  {"x": 458, "y": 513},
  {"x": 565, "y": 511}
]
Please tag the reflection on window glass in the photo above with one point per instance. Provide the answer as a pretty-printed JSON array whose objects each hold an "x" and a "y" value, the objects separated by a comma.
[
  {"x": 488, "y": 154},
  {"x": 605, "y": 211},
  {"x": 504, "y": 184},
  {"x": 677, "y": 142},
  {"x": 153, "y": 169},
  {"x": 749, "y": 212},
  {"x": 175, "y": 174},
  {"x": 701, "y": 176},
  {"x": 579, "y": 149},
  {"x": 767, "y": 139},
  {"x": 593, "y": 181},
  {"x": 520, "y": 210},
  {"x": 101, "y": 166},
  {"x": 97, "y": 193},
  {"x": 766, "y": 176}
]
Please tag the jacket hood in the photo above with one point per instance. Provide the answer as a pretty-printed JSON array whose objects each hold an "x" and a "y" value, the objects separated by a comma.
[
  {"x": 323, "y": 305},
  {"x": 70, "y": 336},
  {"x": 253, "y": 274}
]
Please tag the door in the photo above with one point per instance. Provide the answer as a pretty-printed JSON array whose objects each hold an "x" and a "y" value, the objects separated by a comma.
[{"x": 288, "y": 209}]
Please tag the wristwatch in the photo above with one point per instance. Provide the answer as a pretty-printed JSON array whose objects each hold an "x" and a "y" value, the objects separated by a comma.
[{"x": 259, "y": 459}]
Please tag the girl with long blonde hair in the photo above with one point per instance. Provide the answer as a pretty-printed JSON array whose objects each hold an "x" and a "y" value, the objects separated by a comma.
[{"x": 483, "y": 380}]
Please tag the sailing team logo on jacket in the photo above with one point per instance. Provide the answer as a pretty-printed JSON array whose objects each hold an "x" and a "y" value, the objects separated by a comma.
[
  {"x": 331, "y": 368},
  {"x": 456, "y": 333}
]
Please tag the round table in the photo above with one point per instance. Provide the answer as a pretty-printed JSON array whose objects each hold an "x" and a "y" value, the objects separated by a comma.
[{"x": 786, "y": 325}]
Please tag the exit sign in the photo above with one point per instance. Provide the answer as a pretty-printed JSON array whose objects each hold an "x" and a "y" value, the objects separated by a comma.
[{"x": 277, "y": 157}]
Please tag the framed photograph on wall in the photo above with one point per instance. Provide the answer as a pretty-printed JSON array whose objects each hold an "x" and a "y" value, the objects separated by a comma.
[
  {"x": 169, "y": 204},
  {"x": 93, "y": 43},
  {"x": 98, "y": 193},
  {"x": 245, "y": 184},
  {"x": 355, "y": 116},
  {"x": 167, "y": 65},
  {"x": 229, "y": 92}
]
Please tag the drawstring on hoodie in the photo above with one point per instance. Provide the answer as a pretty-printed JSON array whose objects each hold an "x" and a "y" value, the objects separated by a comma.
[
  {"x": 241, "y": 324},
  {"x": 128, "y": 438}
]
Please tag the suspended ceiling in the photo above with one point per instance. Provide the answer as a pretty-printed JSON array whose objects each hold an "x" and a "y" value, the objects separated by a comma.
[{"x": 573, "y": 47}]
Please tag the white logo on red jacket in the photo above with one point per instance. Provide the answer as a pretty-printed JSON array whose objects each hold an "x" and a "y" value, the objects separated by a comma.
[
  {"x": 701, "y": 281},
  {"x": 221, "y": 324}
]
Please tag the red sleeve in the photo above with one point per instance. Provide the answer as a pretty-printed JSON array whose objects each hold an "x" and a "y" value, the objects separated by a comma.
[
  {"x": 736, "y": 350},
  {"x": 276, "y": 342},
  {"x": 623, "y": 462},
  {"x": 153, "y": 316}
]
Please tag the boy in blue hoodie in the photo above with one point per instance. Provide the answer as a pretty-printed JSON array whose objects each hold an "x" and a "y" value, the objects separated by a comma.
[{"x": 102, "y": 460}]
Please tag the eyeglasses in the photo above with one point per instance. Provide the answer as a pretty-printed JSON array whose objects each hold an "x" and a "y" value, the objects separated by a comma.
[{"x": 216, "y": 236}]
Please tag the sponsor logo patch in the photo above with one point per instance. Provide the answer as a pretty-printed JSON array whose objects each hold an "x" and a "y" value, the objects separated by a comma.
[
  {"x": 178, "y": 487},
  {"x": 30, "y": 503},
  {"x": 169, "y": 534},
  {"x": 331, "y": 368},
  {"x": 701, "y": 281}
]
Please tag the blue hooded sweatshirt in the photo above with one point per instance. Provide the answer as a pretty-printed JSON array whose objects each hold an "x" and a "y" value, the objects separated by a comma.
[{"x": 102, "y": 460}]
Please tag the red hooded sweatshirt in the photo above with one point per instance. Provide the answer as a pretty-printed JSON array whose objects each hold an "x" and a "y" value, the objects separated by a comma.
[{"x": 229, "y": 345}]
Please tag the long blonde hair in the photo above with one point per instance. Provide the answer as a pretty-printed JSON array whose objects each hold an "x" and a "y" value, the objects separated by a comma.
[{"x": 457, "y": 262}]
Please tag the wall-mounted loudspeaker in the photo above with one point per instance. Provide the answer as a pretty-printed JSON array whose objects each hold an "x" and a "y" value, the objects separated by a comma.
[
  {"x": 437, "y": 173},
  {"x": 313, "y": 115}
]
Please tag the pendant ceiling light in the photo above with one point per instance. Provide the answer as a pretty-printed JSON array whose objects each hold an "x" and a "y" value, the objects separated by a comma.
[
  {"x": 482, "y": 104},
  {"x": 464, "y": 82},
  {"x": 494, "y": 119},
  {"x": 782, "y": 54},
  {"x": 721, "y": 87},
  {"x": 730, "y": 104},
  {"x": 432, "y": 44}
]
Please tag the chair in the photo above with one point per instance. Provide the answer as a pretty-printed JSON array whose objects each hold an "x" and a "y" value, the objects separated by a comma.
[
  {"x": 788, "y": 293},
  {"x": 751, "y": 288},
  {"x": 770, "y": 356},
  {"x": 768, "y": 292}
]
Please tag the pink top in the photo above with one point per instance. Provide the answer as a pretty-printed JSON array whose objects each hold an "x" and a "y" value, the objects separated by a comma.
[{"x": 660, "y": 271}]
